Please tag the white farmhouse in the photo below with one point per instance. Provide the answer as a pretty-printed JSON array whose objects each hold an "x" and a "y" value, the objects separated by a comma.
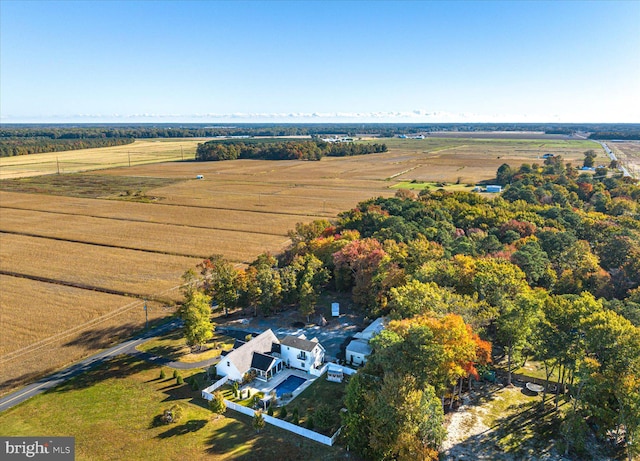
[
  {"x": 256, "y": 355},
  {"x": 266, "y": 355},
  {"x": 301, "y": 353}
]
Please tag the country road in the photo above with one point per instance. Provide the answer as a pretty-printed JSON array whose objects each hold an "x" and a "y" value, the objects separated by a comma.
[
  {"x": 51, "y": 381},
  {"x": 612, "y": 156}
]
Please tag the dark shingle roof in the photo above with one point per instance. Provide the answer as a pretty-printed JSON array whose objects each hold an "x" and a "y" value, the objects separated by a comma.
[
  {"x": 299, "y": 343},
  {"x": 261, "y": 361},
  {"x": 243, "y": 355}
]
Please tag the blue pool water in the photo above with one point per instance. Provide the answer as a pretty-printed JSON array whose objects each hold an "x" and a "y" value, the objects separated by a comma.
[{"x": 289, "y": 385}]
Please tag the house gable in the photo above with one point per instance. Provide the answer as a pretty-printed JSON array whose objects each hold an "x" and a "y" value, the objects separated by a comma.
[{"x": 241, "y": 359}]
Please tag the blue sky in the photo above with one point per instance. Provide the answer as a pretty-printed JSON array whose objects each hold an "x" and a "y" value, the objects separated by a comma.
[{"x": 121, "y": 61}]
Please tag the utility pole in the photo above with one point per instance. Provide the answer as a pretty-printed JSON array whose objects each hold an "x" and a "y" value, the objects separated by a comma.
[
  {"x": 146, "y": 315},
  {"x": 58, "y": 165},
  {"x": 129, "y": 154},
  {"x": 181, "y": 153}
]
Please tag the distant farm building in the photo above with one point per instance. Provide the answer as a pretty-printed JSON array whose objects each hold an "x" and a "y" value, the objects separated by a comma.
[{"x": 494, "y": 189}]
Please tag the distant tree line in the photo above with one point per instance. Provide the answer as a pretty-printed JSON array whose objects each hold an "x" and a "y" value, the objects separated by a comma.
[
  {"x": 172, "y": 130},
  {"x": 290, "y": 150},
  {"x": 40, "y": 135},
  {"x": 24, "y": 146},
  {"x": 627, "y": 135}
]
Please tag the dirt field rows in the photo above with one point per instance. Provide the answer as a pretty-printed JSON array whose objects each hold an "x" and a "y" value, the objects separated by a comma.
[
  {"x": 628, "y": 153},
  {"x": 72, "y": 245}
]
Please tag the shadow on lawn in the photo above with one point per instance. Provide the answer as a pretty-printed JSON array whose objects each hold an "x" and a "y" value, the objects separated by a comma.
[
  {"x": 102, "y": 338},
  {"x": 118, "y": 368},
  {"x": 182, "y": 429}
]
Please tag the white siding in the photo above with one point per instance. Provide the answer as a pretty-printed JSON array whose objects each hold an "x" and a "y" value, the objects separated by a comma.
[{"x": 227, "y": 368}]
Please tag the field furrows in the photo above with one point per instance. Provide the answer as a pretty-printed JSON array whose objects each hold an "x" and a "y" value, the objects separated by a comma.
[
  {"x": 131, "y": 219},
  {"x": 117, "y": 270},
  {"x": 161, "y": 238},
  {"x": 56, "y": 325}
]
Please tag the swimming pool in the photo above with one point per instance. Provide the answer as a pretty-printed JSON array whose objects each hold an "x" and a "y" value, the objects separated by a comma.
[{"x": 289, "y": 385}]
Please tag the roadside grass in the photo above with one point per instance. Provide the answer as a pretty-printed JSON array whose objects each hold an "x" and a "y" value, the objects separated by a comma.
[
  {"x": 173, "y": 346},
  {"x": 110, "y": 410}
]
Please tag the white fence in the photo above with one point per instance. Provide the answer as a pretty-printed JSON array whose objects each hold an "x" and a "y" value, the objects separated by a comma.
[
  {"x": 318, "y": 371},
  {"x": 207, "y": 393},
  {"x": 323, "y": 439}
]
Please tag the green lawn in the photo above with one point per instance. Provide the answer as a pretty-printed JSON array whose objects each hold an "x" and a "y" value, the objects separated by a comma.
[
  {"x": 110, "y": 411},
  {"x": 174, "y": 347},
  {"x": 321, "y": 391}
]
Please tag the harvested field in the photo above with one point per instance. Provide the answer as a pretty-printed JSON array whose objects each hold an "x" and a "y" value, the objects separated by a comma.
[
  {"x": 144, "y": 275},
  {"x": 206, "y": 217},
  {"x": 73, "y": 161},
  {"x": 154, "y": 238},
  {"x": 81, "y": 230},
  {"x": 56, "y": 324},
  {"x": 628, "y": 154}
]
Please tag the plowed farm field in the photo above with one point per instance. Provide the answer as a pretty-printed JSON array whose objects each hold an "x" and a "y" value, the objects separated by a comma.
[{"x": 81, "y": 252}]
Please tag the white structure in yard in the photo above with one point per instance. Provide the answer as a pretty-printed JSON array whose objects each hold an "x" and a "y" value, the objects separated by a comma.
[
  {"x": 266, "y": 355},
  {"x": 335, "y": 309},
  {"x": 359, "y": 349}
]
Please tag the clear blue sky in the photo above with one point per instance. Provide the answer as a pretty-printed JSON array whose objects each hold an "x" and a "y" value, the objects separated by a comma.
[{"x": 576, "y": 61}]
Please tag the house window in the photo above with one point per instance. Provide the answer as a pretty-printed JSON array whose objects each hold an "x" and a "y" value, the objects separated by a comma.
[
  {"x": 302, "y": 364},
  {"x": 228, "y": 364}
]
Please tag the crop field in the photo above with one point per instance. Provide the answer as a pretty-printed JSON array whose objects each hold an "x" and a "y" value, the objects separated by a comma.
[
  {"x": 127, "y": 272},
  {"x": 628, "y": 154},
  {"x": 73, "y": 161},
  {"x": 79, "y": 252},
  {"x": 45, "y": 325}
]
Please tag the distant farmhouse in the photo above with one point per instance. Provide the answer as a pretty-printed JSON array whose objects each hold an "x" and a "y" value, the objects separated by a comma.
[
  {"x": 337, "y": 139},
  {"x": 359, "y": 349},
  {"x": 266, "y": 355}
]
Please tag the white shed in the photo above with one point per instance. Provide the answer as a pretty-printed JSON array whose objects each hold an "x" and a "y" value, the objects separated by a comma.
[{"x": 335, "y": 309}]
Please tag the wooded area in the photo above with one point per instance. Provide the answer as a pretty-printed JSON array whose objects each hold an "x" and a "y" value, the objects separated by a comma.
[
  {"x": 291, "y": 150},
  {"x": 549, "y": 271}
]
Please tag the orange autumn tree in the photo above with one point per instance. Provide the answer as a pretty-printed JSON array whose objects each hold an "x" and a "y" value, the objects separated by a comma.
[{"x": 436, "y": 351}]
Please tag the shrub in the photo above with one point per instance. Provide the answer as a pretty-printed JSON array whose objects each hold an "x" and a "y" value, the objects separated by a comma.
[
  {"x": 163, "y": 375},
  {"x": 216, "y": 405},
  {"x": 270, "y": 410},
  {"x": 323, "y": 417},
  {"x": 175, "y": 374},
  {"x": 310, "y": 422},
  {"x": 179, "y": 380},
  {"x": 170, "y": 415},
  {"x": 295, "y": 418},
  {"x": 258, "y": 421},
  {"x": 283, "y": 412}
]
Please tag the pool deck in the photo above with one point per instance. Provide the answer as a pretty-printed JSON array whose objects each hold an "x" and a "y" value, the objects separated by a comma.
[{"x": 261, "y": 386}]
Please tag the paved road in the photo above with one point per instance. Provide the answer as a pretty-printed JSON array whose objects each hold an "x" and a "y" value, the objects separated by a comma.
[
  {"x": 51, "y": 381},
  {"x": 612, "y": 156}
]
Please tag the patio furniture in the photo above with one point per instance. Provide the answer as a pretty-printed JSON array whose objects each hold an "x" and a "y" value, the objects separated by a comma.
[{"x": 535, "y": 387}]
